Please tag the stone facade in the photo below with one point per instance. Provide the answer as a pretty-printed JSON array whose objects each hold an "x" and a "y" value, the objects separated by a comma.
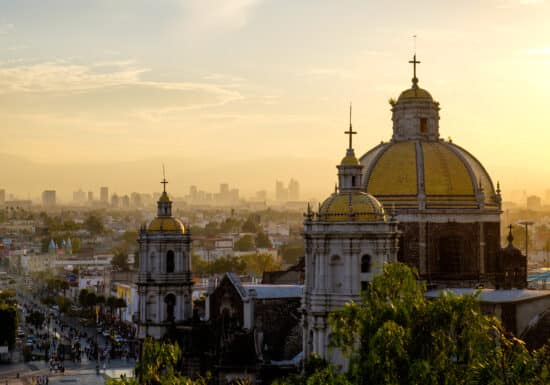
[{"x": 164, "y": 279}]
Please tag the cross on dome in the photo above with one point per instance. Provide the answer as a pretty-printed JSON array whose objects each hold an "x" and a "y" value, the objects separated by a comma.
[
  {"x": 414, "y": 62},
  {"x": 350, "y": 132},
  {"x": 164, "y": 182}
]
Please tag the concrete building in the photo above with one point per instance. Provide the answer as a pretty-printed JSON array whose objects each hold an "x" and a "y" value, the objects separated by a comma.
[
  {"x": 104, "y": 195},
  {"x": 48, "y": 198}
]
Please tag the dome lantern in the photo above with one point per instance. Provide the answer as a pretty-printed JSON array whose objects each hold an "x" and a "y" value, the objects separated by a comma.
[
  {"x": 349, "y": 169},
  {"x": 415, "y": 114}
]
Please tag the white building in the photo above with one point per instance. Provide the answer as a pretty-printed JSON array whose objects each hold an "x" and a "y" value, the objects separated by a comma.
[
  {"x": 346, "y": 243},
  {"x": 164, "y": 280}
]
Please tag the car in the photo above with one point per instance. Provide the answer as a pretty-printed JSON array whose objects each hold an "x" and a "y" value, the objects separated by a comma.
[
  {"x": 30, "y": 342},
  {"x": 106, "y": 333},
  {"x": 99, "y": 329},
  {"x": 118, "y": 339}
]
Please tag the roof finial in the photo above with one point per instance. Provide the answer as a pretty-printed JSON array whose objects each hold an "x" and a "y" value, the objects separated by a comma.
[
  {"x": 414, "y": 62},
  {"x": 164, "y": 181},
  {"x": 350, "y": 132},
  {"x": 498, "y": 187},
  {"x": 510, "y": 237}
]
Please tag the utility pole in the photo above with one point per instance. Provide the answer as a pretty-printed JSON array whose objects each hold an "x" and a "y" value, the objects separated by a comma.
[{"x": 526, "y": 224}]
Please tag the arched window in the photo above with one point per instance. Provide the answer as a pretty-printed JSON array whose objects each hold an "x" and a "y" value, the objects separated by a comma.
[
  {"x": 170, "y": 263},
  {"x": 365, "y": 263},
  {"x": 170, "y": 301}
]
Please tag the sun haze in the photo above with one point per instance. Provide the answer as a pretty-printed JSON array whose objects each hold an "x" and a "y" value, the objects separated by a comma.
[{"x": 250, "y": 91}]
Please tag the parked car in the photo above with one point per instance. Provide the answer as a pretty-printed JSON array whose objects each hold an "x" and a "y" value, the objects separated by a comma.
[{"x": 106, "y": 333}]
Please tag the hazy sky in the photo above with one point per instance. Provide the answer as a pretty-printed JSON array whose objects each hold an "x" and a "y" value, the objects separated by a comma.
[{"x": 111, "y": 81}]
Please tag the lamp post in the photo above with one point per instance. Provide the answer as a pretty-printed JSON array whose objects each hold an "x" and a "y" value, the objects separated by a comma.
[{"x": 526, "y": 224}]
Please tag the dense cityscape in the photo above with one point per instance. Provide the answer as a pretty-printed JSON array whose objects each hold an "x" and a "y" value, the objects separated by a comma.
[{"x": 242, "y": 192}]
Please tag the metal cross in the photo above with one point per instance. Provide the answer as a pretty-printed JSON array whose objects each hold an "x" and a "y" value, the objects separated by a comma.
[
  {"x": 350, "y": 132},
  {"x": 164, "y": 181},
  {"x": 414, "y": 62}
]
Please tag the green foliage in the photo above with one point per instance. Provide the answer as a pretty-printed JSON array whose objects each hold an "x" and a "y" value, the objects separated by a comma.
[
  {"x": 120, "y": 260},
  {"x": 94, "y": 224},
  {"x": 406, "y": 339},
  {"x": 262, "y": 240},
  {"x": 258, "y": 263},
  {"x": 245, "y": 243},
  {"x": 292, "y": 252},
  {"x": 249, "y": 226},
  {"x": 316, "y": 372},
  {"x": 219, "y": 265},
  {"x": 158, "y": 367}
]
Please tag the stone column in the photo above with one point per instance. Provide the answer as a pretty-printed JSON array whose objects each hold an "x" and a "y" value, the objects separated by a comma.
[
  {"x": 481, "y": 248},
  {"x": 422, "y": 248}
]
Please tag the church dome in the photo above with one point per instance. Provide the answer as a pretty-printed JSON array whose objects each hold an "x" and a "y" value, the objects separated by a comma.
[
  {"x": 351, "y": 206},
  {"x": 168, "y": 224},
  {"x": 411, "y": 173},
  {"x": 415, "y": 94}
]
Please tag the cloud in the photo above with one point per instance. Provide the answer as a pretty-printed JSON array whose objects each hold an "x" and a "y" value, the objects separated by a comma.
[
  {"x": 66, "y": 78},
  {"x": 216, "y": 15}
]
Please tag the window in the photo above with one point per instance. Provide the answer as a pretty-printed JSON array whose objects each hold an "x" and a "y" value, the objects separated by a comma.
[
  {"x": 365, "y": 263},
  {"x": 170, "y": 301},
  {"x": 423, "y": 125},
  {"x": 170, "y": 263}
]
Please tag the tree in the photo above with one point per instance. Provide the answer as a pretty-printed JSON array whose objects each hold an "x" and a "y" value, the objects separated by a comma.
[
  {"x": 8, "y": 324},
  {"x": 35, "y": 318},
  {"x": 291, "y": 253},
  {"x": 396, "y": 336},
  {"x": 246, "y": 243},
  {"x": 158, "y": 366},
  {"x": 259, "y": 263},
  {"x": 249, "y": 226},
  {"x": 94, "y": 224},
  {"x": 120, "y": 260},
  {"x": 262, "y": 240}
]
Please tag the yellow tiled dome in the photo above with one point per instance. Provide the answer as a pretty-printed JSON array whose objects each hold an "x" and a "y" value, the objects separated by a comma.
[
  {"x": 398, "y": 172},
  {"x": 349, "y": 160},
  {"x": 415, "y": 93},
  {"x": 164, "y": 197},
  {"x": 351, "y": 206},
  {"x": 167, "y": 224}
]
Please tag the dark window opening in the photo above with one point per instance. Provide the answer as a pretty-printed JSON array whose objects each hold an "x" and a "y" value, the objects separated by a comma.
[
  {"x": 450, "y": 254},
  {"x": 170, "y": 263},
  {"x": 170, "y": 301},
  {"x": 423, "y": 125},
  {"x": 365, "y": 264}
]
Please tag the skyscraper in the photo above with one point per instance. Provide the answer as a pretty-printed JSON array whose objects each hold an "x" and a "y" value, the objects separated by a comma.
[
  {"x": 48, "y": 198},
  {"x": 104, "y": 194},
  {"x": 293, "y": 190}
]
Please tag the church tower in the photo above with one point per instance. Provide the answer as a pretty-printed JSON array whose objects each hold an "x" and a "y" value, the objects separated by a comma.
[
  {"x": 164, "y": 280},
  {"x": 347, "y": 243}
]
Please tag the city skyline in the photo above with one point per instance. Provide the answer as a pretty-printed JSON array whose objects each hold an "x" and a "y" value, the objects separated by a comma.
[{"x": 226, "y": 81}]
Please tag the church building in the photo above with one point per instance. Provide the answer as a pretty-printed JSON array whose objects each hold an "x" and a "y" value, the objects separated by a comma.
[
  {"x": 347, "y": 243},
  {"x": 164, "y": 279},
  {"x": 444, "y": 200}
]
